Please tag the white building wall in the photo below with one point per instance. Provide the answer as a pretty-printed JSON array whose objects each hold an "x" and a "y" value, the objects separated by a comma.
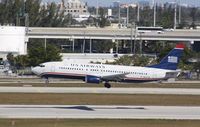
[
  {"x": 109, "y": 12},
  {"x": 13, "y": 39}
]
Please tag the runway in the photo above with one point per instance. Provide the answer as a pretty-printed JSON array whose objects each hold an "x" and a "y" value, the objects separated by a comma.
[
  {"x": 99, "y": 112},
  {"x": 163, "y": 91}
]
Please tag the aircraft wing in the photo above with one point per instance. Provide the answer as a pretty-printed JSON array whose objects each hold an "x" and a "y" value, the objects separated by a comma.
[{"x": 117, "y": 77}]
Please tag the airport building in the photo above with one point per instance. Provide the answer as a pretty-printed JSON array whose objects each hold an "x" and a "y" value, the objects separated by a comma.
[
  {"x": 13, "y": 40},
  {"x": 74, "y": 7}
]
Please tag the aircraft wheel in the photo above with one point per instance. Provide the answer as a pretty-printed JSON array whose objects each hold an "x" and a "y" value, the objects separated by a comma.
[{"x": 107, "y": 85}]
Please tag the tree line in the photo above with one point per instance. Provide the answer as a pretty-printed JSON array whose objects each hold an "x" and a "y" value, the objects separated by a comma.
[
  {"x": 190, "y": 16},
  {"x": 15, "y": 12}
]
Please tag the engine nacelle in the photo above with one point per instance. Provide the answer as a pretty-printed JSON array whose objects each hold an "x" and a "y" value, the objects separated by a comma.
[{"x": 92, "y": 79}]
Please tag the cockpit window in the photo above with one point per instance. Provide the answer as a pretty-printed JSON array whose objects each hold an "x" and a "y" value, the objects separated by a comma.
[{"x": 41, "y": 65}]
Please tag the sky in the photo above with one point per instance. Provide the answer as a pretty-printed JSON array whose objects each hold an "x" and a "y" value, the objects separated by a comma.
[{"x": 109, "y": 2}]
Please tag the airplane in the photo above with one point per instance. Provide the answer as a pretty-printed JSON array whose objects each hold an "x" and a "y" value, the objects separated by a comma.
[{"x": 102, "y": 73}]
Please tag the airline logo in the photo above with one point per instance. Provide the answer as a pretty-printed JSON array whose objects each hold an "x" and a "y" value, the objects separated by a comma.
[{"x": 172, "y": 59}]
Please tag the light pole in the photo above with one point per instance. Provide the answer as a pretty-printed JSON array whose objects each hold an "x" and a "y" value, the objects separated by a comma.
[
  {"x": 97, "y": 8},
  {"x": 154, "y": 13},
  {"x": 127, "y": 16},
  {"x": 97, "y": 13},
  {"x": 138, "y": 12},
  {"x": 179, "y": 12},
  {"x": 26, "y": 16},
  {"x": 26, "y": 20},
  {"x": 119, "y": 13},
  {"x": 175, "y": 12}
]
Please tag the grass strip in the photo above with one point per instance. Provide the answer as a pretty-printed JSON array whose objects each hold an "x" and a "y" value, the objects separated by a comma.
[
  {"x": 96, "y": 123},
  {"x": 99, "y": 99}
]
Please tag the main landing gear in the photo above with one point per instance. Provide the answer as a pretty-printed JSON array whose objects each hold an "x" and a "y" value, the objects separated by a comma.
[
  {"x": 47, "y": 80},
  {"x": 107, "y": 85}
]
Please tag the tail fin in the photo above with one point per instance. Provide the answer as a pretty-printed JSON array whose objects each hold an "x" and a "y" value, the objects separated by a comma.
[{"x": 170, "y": 62}]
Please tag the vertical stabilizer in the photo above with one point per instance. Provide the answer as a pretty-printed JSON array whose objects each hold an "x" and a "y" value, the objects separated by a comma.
[{"x": 170, "y": 62}]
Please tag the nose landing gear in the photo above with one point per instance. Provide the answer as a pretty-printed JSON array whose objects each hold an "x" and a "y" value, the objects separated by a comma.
[{"x": 46, "y": 79}]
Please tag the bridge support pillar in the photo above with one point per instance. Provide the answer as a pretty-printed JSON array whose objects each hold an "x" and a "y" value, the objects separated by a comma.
[
  {"x": 117, "y": 47},
  {"x": 90, "y": 45},
  {"x": 73, "y": 41},
  {"x": 45, "y": 44},
  {"x": 83, "y": 48}
]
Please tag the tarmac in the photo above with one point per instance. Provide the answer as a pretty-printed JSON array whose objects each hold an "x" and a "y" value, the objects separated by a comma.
[{"x": 99, "y": 112}]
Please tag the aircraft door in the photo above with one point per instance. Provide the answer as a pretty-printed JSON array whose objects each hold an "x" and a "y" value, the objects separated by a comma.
[{"x": 53, "y": 68}]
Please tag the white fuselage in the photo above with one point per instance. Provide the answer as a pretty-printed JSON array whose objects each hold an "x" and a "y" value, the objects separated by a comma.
[{"x": 100, "y": 70}]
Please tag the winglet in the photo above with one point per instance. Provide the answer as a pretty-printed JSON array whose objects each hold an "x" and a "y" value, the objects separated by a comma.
[{"x": 180, "y": 46}]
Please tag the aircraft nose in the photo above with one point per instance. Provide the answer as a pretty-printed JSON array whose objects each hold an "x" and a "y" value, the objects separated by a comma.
[{"x": 35, "y": 70}]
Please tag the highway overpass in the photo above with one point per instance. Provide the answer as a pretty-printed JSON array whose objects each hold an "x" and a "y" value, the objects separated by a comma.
[{"x": 110, "y": 33}]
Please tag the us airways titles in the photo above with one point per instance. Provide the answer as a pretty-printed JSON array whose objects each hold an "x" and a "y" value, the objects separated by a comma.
[{"x": 89, "y": 66}]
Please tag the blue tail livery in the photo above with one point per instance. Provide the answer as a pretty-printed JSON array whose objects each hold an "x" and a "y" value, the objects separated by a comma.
[{"x": 170, "y": 62}]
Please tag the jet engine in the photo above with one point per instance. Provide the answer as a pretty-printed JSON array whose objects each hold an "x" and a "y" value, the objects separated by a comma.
[{"x": 92, "y": 79}]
